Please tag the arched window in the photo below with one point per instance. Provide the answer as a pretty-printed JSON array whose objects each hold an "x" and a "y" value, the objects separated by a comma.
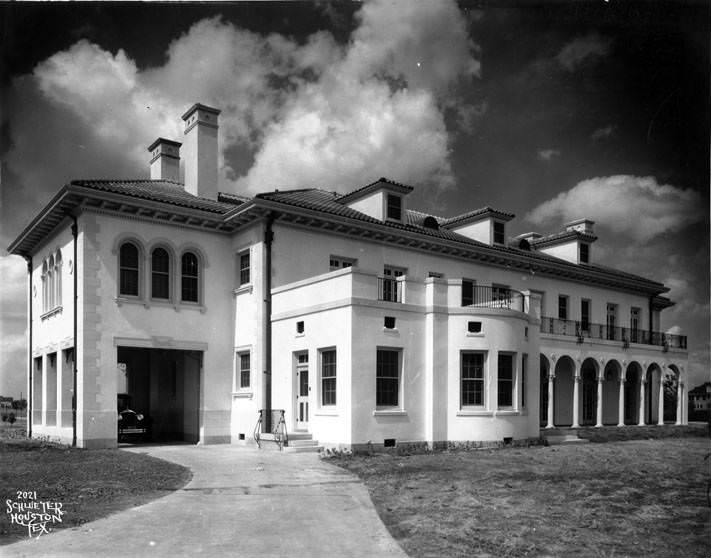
[
  {"x": 45, "y": 287},
  {"x": 128, "y": 269},
  {"x": 160, "y": 274},
  {"x": 189, "y": 277},
  {"x": 50, "y": 283},
  {"x": 58, "y": 279}
]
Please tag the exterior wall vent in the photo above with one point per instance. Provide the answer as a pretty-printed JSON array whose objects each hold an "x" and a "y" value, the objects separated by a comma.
[{"x": 389, "y": 443}]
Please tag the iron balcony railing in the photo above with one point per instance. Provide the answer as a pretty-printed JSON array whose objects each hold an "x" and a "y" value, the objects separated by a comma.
[
  {"x": 389, "y": 289},
  {"x": 493, "y": 297},
  {"x": 587, "y": 330}
]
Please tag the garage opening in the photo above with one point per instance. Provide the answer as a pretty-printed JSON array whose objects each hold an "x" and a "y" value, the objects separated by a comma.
[{"x": 158, "y": 395}]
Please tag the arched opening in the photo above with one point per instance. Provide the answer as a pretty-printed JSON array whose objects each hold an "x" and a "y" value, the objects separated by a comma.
[
  {"x": 545, "y": 371},
  {"x": 651, "y": 393},
  {"x": 610, "y": 393},
  {"x": 672, "y": 412},
  {"x": 563, "y": 391},
  {"x": 588, "y": 378},
  {"x": 632, "y": 379},
  {"x": 128, "y": 270},
  {"x": 190, "y": 275}
]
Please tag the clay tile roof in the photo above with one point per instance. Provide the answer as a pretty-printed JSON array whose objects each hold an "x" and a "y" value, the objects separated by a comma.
[
  {"x": 382, "y": 182},
  {"x": 165, "y": 191},
  {"x": 475, "y": 214}
]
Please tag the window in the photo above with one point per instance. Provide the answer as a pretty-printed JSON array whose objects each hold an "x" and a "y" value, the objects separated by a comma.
[
  {"x": 328, "y": 377},
  {"x": 524, "y": 367},
  {"x": 189, "y": 277},
  {"x": 562, "y": 307},
  {"x": 245, "y": 370},
  {"x": 611, "y": 320},
  {"x": 394, "y": 207},
  {"x": 387, "y": 378},
  {"x": 58, "y": 279},
  {"x": 474, "y": 327},
  {"x": 584, "y": 253},
  {"x": 585, "y": 314},
  {"x": 389, "y": 322},
  {"x": 390, "y": 287},
  {"x": 128, "y": 269},
  {"x": 50, "y": 283},
  {"x": 467, "y": 292},
  {"x": 472, "y": 379},
  {"x": 499, "y": 235},
  {"x": 505, "y": 380},
  {"x": 244, "y": 268},
  {"x": 45, "y": 287},
  {"x": 300, "y": 327},
  {"x": 635, "y": 314},
  {"x": 338, "y": 262},
  {"x": 160, "y": 274}
]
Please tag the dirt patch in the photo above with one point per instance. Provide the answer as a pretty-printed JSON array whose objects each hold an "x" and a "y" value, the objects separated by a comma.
[
  {"x": 635, "y": 498},
  {"x": 89, "y": 483}
]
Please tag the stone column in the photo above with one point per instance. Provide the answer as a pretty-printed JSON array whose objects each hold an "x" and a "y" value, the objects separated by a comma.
[
  {"x": 551, "y": 379},
  {"x": 679, "y": 393},
  {"x": 621, "y": 403},
  {"x": 642, "y": 383},
  {"x": 600, "y": 379},
  {"x": 576, "y": 400},
  {"x": 660, "y": 418}
]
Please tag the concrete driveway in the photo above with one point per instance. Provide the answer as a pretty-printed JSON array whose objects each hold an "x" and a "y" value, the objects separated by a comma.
[{"x": 240, "y": 502}]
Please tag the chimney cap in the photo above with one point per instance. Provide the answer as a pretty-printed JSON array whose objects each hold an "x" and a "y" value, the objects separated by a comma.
[
  {"x": 583, "y": 223},
  {"x": 200, "y": 106},
  {"x": 165, "y": 141}
]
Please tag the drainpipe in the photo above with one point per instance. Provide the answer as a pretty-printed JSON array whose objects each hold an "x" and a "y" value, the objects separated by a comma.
[
  {"x": 268, "y": 239},
  {"x": 28, "y": 259},
  {"x": 76, "y": 352}
]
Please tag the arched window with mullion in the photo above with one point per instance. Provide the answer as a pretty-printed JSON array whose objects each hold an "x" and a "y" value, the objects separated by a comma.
[
  {"x": 190, "y": 273},
  {"x": 160, "y": 274},
  {"x": 128, "y": 270}
]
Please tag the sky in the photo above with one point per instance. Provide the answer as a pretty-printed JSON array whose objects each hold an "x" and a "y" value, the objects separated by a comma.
[{"x": 552, "y": 111}]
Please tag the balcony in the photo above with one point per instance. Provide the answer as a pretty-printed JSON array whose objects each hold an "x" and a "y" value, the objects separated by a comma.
[
  {"x": 592, "y": 331},
  {"x": 494, "y": 297}
]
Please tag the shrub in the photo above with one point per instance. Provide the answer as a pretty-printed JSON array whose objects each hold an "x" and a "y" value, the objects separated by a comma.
[
  {"x": 11, "y": 418},
  {"x": 4, "y": 417}
]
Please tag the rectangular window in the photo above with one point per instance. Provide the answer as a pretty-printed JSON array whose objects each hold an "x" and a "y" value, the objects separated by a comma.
[
  {"x": 467, "y": 292},
  {"x": 245, "y": 370},
  {"x": 387, "y": 378},
  {"x": 244, "y": 275},
  {"x": 585, "y": 314},
  {"x": 635, "y": 315},
  {"x": 474, "y": 327},
  {"x": 611, "y": 321},
  {"x": 328, "y": 377},
  {"x": 390, "y": 288},
  {"x": 505, "y": 380},
  {"x": 389, "y": 322},
  {"x": 472, "y": 379},
  {"x": 562, "y": 307},
  {"x": 338, "y": 262},
  {"x": 394, "y": 207},
  {"x": 584, "y": 253},
  {"x": 499, "y": 234},
  {"x": 524, "y": 366}
]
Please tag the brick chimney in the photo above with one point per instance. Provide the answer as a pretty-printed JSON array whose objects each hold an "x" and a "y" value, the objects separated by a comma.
[
  {"x": 200, "y": 151},
  {"x": 165, "y": 160}
]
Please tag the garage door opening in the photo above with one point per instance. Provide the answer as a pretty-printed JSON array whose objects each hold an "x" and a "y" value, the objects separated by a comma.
[{"x": 158, "y": 395}]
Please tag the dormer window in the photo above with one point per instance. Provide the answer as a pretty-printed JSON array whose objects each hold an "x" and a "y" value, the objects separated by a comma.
[
  {"x": 499, "y": 235},
  {"x": 394, "y": 207},
  {"x": 584, "y": 253}
]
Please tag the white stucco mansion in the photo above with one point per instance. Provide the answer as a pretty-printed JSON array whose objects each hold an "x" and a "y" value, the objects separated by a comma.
[{"x": 365, "y": 320}]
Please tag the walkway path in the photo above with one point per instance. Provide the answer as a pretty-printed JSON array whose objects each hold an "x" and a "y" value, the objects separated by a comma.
[{"x": 241, "y": 502}]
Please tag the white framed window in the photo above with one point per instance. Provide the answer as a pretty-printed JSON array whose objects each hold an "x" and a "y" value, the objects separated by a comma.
[
  {"x": 244, "y": 364},
  {"x": 328, "y": 376},
  {"x": 472, "y": 379},
  {"x": 189, "y": 277},
  {"x": 562, "y": 307},
  {"x": 499, "y": 232},
  {"x": 340, "y": 262},
  {"x": 584, "y": 253},
  {"x": 468, "y": 287},
  {"x": 160, "y": 274},
  {"x": 244, "y": 268},
  {"x": 505, "y": 380},
  {"x": 388, "y": 381},
  {"x": 394, "y": 207},
  {"x": 129, "y": 270}
]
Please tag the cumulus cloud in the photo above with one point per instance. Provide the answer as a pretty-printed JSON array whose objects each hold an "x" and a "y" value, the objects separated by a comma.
[
  {"x": 603, "y": 133},
  {"x": 582, "y": 50},
  {"x": 547, "y": 154},
  {"x": 638, "y": 207}
]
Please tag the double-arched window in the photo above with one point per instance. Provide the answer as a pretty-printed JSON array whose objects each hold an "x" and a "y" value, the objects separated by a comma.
[
  {"x": 162, "y": 281},
  {"x": 52, "y": 282}
]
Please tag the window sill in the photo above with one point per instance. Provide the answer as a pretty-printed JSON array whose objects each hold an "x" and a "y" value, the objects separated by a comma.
[
  {"x": 472, "y": 413},
  {"x": 242, "y": 395},
  {"x": 389, "y": 413},
  {"x": 470, "y": 334},
  {"x": 120, "y": 301},
  {"x": 507, "y": 413},
  {"x": 300, "y": 335},
  {"x": 52, "y": 312},
  {"x": 242, "y": 289},
  {"x": 326, "y": 414},
  {"x": 391, "y": 330}
]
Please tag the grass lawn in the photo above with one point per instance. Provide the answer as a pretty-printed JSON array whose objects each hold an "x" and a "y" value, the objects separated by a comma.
[
  {"x": 632, "y": 498},
  {"x": 89, "y": 483}
]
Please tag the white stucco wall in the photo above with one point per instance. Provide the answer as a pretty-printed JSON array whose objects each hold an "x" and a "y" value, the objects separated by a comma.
[{"x": 482, "y": 231}]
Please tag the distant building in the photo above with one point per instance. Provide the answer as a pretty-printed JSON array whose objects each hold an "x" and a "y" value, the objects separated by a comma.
[
  {"x": 5, "y": 403},
  {"x": 700, "y": 399},
  {"x": 365, "y": 320}
]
